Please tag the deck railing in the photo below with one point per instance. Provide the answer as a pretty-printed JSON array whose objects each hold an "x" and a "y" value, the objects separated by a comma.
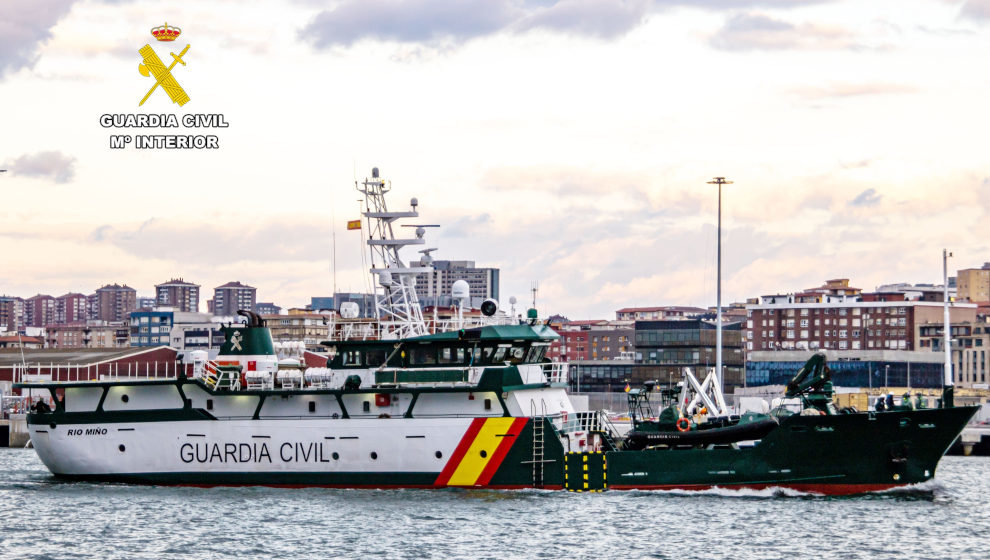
[
  {"x": 25, "y": 373},
  {"x": 556, "y": 372}
]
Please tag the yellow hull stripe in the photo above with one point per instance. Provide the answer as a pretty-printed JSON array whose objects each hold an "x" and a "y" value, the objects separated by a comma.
[{"x": 487, "y": 441}]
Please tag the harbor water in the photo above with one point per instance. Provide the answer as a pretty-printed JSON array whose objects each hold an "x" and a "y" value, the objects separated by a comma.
[{"x": 43, "y": 518}]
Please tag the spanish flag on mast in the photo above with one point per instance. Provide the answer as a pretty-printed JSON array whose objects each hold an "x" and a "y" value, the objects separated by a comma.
[{"x": 353, "y": 224}]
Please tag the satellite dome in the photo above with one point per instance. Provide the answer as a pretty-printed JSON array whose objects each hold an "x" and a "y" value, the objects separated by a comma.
[{"x": 460, "y": 290}]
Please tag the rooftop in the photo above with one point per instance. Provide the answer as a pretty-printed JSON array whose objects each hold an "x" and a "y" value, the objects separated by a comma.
[
  {"x": 27, "y": 339},
  {"x": 235, "y": 284},
  {"x": 681, "y": 308},
  {"x": 177, "y": 282},
  {"x": 62, "y": 356}
]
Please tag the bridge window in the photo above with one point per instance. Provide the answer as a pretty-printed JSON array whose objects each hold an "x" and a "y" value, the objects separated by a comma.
[
  {"x": 423, "y": 355},
  {"x": 536, "y": 354},
  {"x": 449, "y": 355},
  {"x": 499, "y": 355},
  {"x": 375, "y": 358},
  {"x": 351, "y": 358},
  {"x": 516, "y": 354}
]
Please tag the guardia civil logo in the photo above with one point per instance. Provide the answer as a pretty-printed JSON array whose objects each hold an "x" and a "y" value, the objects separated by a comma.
[
  {"x": 153, "y": 66},
  {"x": 196, "y": 135}
]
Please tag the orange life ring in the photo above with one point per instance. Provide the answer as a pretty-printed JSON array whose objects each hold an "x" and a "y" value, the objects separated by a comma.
[{"x": 683, "y": 425}]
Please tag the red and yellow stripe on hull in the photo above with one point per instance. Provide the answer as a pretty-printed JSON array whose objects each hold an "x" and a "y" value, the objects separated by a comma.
[{"x": 480, "y": 452}]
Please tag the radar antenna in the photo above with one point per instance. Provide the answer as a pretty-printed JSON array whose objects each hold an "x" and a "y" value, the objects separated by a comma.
[{"x": 397, "y": 307}]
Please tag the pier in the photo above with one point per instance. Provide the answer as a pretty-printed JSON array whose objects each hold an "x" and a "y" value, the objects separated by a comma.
[{"x": 13, "y": 431}]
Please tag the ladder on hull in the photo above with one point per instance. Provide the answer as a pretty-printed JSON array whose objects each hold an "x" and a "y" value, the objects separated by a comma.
[{"x": 539, "y": 424}]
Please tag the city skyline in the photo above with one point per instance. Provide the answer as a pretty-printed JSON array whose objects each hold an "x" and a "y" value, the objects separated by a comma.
[{"x": 566, "y": 143}]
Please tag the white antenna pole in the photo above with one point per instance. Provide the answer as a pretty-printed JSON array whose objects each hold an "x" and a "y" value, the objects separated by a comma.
[
  {"x": 945, "y": 317},
  {"x": 333, "y": 251}
]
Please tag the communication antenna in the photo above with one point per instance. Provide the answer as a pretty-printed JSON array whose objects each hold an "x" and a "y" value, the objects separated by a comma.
[
  {"x": 396, "y": 303},
  {"x": 534, "y": 289},
  {"x": 333, "y": 250}
]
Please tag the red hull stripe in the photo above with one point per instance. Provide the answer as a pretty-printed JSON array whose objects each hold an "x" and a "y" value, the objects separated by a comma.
[
  {"x": 357, "y": 486},
  {"x": 462, "y": 447},
  {"x": 826, "y": 489},
  {"x": 503, "y": 449}
]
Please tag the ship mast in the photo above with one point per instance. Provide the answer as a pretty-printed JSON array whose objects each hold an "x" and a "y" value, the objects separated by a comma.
[{"x": 396, "y": 304}]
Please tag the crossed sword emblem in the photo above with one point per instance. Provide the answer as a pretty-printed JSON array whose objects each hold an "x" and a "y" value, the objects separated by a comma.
[{"x": 163, "y": 76}]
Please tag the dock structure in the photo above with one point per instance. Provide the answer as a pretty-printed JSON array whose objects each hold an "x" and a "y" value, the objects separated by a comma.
[{"x": 14, "y": 432}]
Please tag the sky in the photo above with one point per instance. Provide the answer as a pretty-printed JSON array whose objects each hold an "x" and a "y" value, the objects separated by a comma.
[{"x": 567, "y": 143}]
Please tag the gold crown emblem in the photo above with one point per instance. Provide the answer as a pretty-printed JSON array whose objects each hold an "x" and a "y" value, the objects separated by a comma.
[{"x": 165, "y": 32}]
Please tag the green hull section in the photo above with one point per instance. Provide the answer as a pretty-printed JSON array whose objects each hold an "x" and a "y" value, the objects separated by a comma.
[{"x": 838, "y": 454}]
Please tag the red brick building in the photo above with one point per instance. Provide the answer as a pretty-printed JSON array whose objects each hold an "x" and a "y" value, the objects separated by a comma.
[
  {"x": 861, "y": 322},
  {"x": 71, "y": 308},
  {"x": 39, "y": 310}
]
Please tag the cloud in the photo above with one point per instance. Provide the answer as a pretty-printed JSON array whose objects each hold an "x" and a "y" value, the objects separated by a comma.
[
  {"x": 755, "y": 31},
  {"x": 24, "y": 26},
  {"x": 265, "y": 242},
  {"x": 407, "y": 21},
  {"x": 976, "y": 9},
  {"x": 589, "y": 17},
  {"x": 446, "y": 22},
  {"x": 52, "y": 165},
  {"x": 869, "y": 197}
]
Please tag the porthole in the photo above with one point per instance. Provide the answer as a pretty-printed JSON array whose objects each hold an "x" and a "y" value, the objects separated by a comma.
[
  {"x": 374, "y": 455},
  {"x": 52, "y": 425},
  {"x": 121, "y": 447},
  {"x": 125, "y": 398},
  {"x": 484, "y": 453},
  {"x": 439, "y": 455},
  {"x": 335, "y": 456}
]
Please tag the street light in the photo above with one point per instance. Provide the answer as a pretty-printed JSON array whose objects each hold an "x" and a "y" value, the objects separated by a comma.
[
  {"x": 718, "y": 290},
  {"x": 886, "y": 372}
]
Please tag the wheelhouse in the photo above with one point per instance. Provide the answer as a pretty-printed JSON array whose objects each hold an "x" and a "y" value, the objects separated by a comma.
[{"x": 486, "y": 346}]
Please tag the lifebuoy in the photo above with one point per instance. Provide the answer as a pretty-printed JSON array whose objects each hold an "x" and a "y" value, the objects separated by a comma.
[{"x": 683, "y": 425}]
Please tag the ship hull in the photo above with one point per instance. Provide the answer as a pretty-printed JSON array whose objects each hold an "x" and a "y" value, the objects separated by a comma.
[
  {"x": 841, "y": 454},
  {"x": 492, "y": 452}
]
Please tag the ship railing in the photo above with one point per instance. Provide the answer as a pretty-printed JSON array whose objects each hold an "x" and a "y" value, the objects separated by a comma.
[
  {"x": 77, "y": 372},
  {"x": 380, "y": 330},
  {"x": 556, "y": 372},
  {"x": 587, "y": 421}
]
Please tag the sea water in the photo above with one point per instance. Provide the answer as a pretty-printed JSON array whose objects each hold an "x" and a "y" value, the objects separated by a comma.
[{"x": 43, "y": 518}]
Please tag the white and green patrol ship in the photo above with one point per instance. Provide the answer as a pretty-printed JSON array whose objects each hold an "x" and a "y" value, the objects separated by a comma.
[
  {"x": 476, "y": 407},
  {"x": 470, "y": 407}
]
